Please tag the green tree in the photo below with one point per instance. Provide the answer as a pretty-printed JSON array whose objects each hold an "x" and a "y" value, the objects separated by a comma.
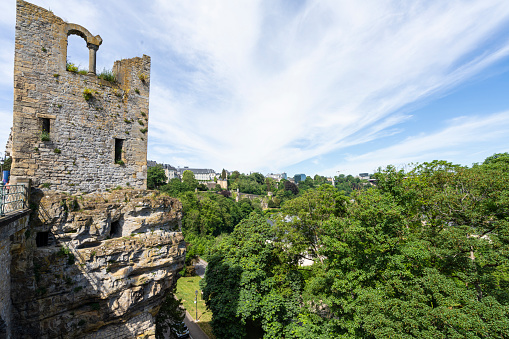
[
  {"x": 156, "y": 177},
  {"x": 235, "y": 175},
  {"x": 249, "y": 285},
  {"x": 290, "y": 186},
  {"x": 301, "y": 222},
  {"x": 497, "y": 157},
  {"x": 258, "y": 177},
  {"x": 319, "y": 180},
  {"x": 170, "y": 317},
  {"x": 175, "y": 187},
  {"x": 425, "y": 254},
  {"x": 223, "y": 174},
  {"x": 188, "y": 179}
]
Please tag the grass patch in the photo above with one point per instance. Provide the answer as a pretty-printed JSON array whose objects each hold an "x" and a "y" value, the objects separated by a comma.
[{"x": 185, "y": 291}]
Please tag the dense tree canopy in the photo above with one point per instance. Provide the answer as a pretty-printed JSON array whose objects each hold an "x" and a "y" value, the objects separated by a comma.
[
  {"x": 249, "y": 286},
  {"x": 424, "y": 254}
]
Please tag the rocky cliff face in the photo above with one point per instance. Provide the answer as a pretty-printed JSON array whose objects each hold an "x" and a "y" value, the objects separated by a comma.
[{"x": 96, "y": 265}]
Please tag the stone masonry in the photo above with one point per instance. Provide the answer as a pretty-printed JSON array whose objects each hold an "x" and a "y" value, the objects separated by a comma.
[
  {"x": 97, "y": 128},
  {"x": 11, "y": 227}
]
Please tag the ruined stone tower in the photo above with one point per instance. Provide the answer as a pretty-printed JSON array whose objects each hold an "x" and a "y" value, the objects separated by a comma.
[
  {"x": 89, "y": 264},
  {"x": 74, "y": 132}
]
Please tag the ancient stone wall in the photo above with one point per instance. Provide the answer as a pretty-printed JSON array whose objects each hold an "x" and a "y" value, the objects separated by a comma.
[
  {"x": 96, "y": 265},
  {"x": 97, "y": 128},
  {"x": 11, "y": 227},
  {"x": 5, "y": 288}
]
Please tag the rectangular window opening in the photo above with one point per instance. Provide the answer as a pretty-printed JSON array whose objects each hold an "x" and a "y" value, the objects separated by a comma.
[
  {"x": 119, "y": 147},
  {"x": 42, "y": 239},
  {"x": 45, "y": 125}
]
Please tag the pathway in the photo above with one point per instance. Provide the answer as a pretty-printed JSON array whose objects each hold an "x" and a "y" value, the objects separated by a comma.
[
  {"x": 194, "y": 330},
  {"x": 200, "y": 267}
]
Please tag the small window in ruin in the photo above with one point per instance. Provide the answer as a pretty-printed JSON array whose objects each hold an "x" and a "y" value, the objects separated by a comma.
[
  {"x": 119, "y": 144},
  {"x": 42, "y": 239},
  {"x": 45, "y": 125},
  {"x": 116, "y": 229}
]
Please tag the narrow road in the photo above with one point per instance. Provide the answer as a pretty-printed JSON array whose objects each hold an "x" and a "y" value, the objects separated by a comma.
[
  {"x": 200, "y": 267},
  {"x": 194, "y": 330}
]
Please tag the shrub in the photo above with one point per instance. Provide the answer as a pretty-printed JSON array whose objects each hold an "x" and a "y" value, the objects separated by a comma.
[
  {"x": 71, "y": 67},
  {"x": 57, "y": 151},
  {"x": 142, "y": 77},
  {"x": 87, "y": 94},
  {"x": 107, "y": 75},
  {"x": 7, "y": 164},
  {"x": 44, "y": 136},
  {"x": 137, "y": 91},
  {"x": 127, "y": 121},
  {"x": 120, "y": 162},
  {"x": 143, "y": 130}
]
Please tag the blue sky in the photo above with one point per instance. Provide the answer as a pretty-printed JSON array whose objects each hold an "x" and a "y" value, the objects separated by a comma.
[{"x": 303, "y": 86}]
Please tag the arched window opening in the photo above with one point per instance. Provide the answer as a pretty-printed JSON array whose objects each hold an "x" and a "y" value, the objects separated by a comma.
[{"x": 77, "y": 54}]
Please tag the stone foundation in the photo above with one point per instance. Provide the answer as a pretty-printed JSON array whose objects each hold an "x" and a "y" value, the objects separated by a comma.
[{"x": 74, "y": 276}]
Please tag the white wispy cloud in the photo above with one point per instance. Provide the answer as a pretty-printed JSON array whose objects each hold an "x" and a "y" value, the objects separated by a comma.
[
  {"x": 262, "y": 85},
  {"x": 462, "y": 140},
  {"x": 273, "y": 88}
]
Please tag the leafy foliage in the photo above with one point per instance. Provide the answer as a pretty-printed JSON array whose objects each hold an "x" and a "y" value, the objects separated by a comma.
[
  {"x": 423, "y": 254},
  {"x": 170, "y": 317},
  {"x": 175, "y": 187},
  {"x": 6, "y": 166},
  {"x": 248, "y": 286},
  {"x": 349, "y": 183},
  {"x": 189, "y": 180},
  {"x": 107, "y": 75},
  {"x": 156, "y": 177}
]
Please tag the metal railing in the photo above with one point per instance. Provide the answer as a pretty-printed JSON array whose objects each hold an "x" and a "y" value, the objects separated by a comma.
[{"x": 12, "y": 198}]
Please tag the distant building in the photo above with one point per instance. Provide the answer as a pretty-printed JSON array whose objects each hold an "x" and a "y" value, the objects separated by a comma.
[
  {"x": 299, "y": 177},
  {"x": 200, "y": 174},
  {"x": 276, "y": 176},
  {"x": 223, "y": 184},
  {"x": 170, "y": 171},
  {"x": 364, "y": 176}
]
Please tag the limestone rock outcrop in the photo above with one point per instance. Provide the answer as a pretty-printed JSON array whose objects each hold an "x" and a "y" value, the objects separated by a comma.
[{"x": 95, "y": 265}]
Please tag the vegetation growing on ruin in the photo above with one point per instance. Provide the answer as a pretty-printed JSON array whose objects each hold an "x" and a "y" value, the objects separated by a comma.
[
  {"x": 87, "y": 94},
  {"x": 107, "y": 75},
  {"x": 69, "y": 66},
  {"x": 44, "y": 136}
]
